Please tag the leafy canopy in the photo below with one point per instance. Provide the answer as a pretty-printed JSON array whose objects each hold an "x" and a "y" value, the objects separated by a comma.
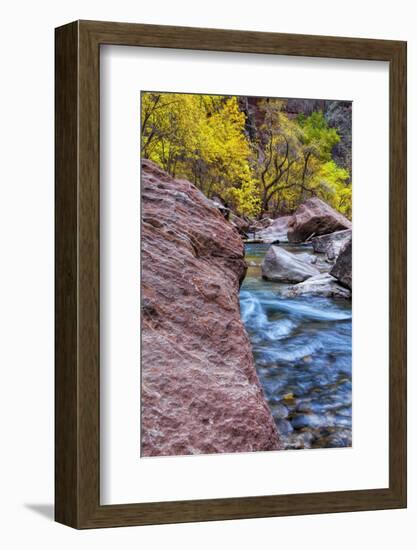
[{"x": 280, "y": 163}]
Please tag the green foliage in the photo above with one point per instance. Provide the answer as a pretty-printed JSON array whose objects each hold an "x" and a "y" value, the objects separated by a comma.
[
  {"x": 204, "y": 139},
  {"x": 316, "y": 136},
  {"x": 294, "y": 161}
]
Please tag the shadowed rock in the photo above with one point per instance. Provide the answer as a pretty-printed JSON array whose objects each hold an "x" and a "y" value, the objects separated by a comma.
[
  {"x": 315, "y": 217},
  {"x": 200, "y": 390},
  {"x": 240, "y": 223},
  {"x": 282, "y": 266},
  {"x": 342, "y": 269}
]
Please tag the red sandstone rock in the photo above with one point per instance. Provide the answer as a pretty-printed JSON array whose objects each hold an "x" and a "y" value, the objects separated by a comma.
[
  {"x": 240, "y": 223},
  {"x": 200, "y": 390},
  {"x": 315, "y": 217}
]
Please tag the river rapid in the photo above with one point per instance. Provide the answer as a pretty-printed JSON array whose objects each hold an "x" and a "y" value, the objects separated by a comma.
[{"x": 302, "y": 349}]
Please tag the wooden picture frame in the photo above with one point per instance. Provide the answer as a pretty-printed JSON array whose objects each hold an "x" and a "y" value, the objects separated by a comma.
[{"x": 77, "y": 405}]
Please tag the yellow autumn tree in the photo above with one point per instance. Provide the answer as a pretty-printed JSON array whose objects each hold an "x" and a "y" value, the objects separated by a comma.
[
  {"x": 269, "y": 168},
  {"x": 201, "y": 138},
  {"x": 293, "y": 161}
]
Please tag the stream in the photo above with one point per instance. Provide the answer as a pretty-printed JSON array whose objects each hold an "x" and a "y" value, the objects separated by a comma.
[{"x": 302, "y": 349}]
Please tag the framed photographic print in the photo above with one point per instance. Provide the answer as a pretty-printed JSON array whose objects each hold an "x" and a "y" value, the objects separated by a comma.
[{"x": 230, "y": 274}]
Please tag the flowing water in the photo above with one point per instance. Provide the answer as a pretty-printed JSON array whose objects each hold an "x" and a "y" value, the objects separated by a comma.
[{"x": 302, "y": 349}]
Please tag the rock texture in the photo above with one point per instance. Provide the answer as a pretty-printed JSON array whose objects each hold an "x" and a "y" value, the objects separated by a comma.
[
  {"x": 319, "y": 285},
  {"x": 240, "y": 223},
  {"x": 315, "y": 217},
  {"x": 282, "y": 266},
  {"x": 220, "y": 206},
  {"x": 335, "y": 241},
  {"x": 342, "y": 269},
  {"x": 200, "y": 390},
  {"x": 276, "y": 231},
  {"x": 263, "y": 223}
]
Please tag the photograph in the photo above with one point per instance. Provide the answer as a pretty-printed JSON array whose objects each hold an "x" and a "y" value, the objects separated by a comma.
[
  {"x": 209, "y": 265},
  {"x": 246, "y": 273}
]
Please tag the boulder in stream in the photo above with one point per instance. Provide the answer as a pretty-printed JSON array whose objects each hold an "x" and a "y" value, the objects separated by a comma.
[
  {"x": 332, "y": 243},
  {"x": 282, "y": 266},
  {"x": 200, "y": 389},
  {"x": 342, "y": 269},
  {"x": 315, "y": 217},
  {"x": 319, "y": 285},
  {"x": 276, "y": 231}
]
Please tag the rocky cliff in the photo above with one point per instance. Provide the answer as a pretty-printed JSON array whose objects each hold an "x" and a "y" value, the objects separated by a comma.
[{"x": 200, "y": 390}]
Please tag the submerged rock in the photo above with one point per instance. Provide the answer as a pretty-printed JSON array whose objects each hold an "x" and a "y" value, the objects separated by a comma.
[
  {"x": 284, "y": 426},
  {"x": 342, "y": 269},
  {"x": 304, "y": 420},
  {"x": 340, "y": 438},
  {"x": 319, "y": 285},
  {"x": 315, "y": 217},
  {"x": 279, "y": 411},
  {"x": 200, "y": 390},
  {"x": 283, "y": 266},
  {"x": 297, "y": 440}
]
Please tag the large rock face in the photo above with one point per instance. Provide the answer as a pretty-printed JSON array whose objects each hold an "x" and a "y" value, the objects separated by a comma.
[
  {"x": 200, "y": 390},
  {"x": 342, "y": 269},
  {"x": 281, "y": 266},
  {"x": 315, "y": 217}
]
